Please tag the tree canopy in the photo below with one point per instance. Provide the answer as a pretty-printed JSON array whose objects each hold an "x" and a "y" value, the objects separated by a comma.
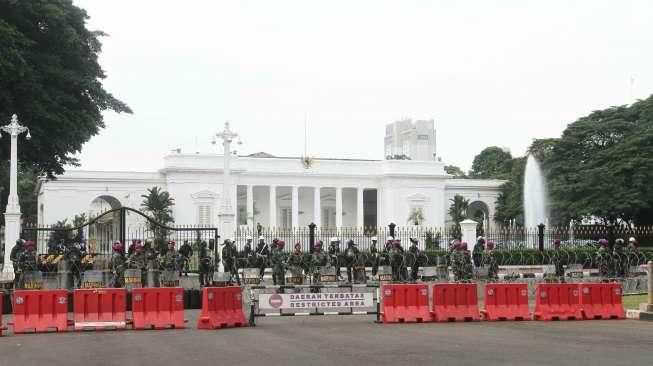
[
  {"x": 455, "y": 171},
  {"x": 50, "y": 77},
  {"x": 492, "y": 162}
]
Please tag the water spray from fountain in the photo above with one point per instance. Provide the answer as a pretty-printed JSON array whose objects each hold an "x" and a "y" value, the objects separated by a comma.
[{"x": 535, "y": 195}]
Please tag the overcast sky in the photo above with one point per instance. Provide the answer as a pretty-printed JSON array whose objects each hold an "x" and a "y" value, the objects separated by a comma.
[{"x": 489, "y": 72}]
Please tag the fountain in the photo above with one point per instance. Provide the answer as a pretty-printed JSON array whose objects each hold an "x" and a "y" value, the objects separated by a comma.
[{"x": 535, "y": 198}]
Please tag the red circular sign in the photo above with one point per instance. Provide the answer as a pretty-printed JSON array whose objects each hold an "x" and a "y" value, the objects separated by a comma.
[{"x": 275, "y": 301}]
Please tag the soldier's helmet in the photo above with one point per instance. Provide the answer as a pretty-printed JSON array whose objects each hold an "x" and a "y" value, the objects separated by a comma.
[
  {"x": 298, "y": 247},
  {"x": 619, "y": 242},
  {"x": 318, "y": 245},
  {"x": 138, "y": 246},
  {"x": 463, "y": 245},
  {"x": 374, "y": 239},
  {"x": 413, "y": 240},
  {"x": 248, "y": 238},
  {"x": 30, "y": 245},
  {"x": 389, "y": 238},
  {"x": 20, "y": 242},
  {"x": 171, "y": 244},
  {"x": 203, "y": 243},
  {"x": 480, "y": 240},
  {"x": 117, "y": 246},
  {"x": 556, "y": 242},
  {"x": 603, "y": 242},
  {"x": 275, "y": 241},
  {"x": 490, "y": 245},
  {"x": 333, "y": 240},
  {"x": 281, "y": 244},
  {"x": 632, "y": 241},
  {"x": 350, "y": 243},
  {"x": 455, "y": 244}
]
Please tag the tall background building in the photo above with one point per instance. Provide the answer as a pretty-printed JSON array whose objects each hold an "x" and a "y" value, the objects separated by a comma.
[{"x": 413, "y": 139}]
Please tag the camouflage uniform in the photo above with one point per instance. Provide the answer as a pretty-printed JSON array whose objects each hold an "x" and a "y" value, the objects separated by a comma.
[
  {"x": 318, "y": 259},
  {"x": 374, "y": 251},
  {"x": 398, "y": 262},
  {"x": 557, "y": 260},
  {"x": 16, "y": 252},
  {"x": 461, "y": 264},
  {"x": 604, "y": 262},
  {"x": 414, "y": 250},
  {"x": 297, "y": 260},
  {"x": 229, "y": 257},
  {"x": 117, "y": 265},
  {"x": 247, "y": 253},
  {"x": 27, "y": 262},
  {"x": 334, "y": 252},
  {"x": 205, "y": 265},
  {"x": 278, "y": 263},
  {"x": 186, "y": 252},
  {"x": 261, "y": 255},
  {"x": 351, "y": 257},
  {"x": 620, "y": 260},
  {"x": 171, "y": 260},
  {"x": 477, "y": 253}
]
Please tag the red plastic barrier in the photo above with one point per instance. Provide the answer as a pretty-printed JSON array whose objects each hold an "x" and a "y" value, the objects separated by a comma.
[
  {"x": 40, "y": 310},
  {"x": 506, "y": 301},
  {"x": 222, "y": 307},
  {"x": 100, "y": 309},
  {"x": 557, "y": 301},
  {"x": 405, "y": 303},
  {"x": 2, "y": 327},
  {"x": 601, "y": 301},
  {"x": 455, "y": 302},
  {"x": 158, "y": 308}
]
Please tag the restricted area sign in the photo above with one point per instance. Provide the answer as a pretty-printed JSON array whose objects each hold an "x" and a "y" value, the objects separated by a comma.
[{"x": 328, "y": 300}]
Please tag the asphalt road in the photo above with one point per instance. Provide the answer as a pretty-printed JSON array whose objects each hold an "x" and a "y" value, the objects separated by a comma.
[{"x": 345, "y": 340}]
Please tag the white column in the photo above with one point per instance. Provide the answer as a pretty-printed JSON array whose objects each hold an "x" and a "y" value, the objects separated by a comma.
[
  {"x": 360, "y": 216},
  {"x": 379, "y": 208},
  {"x": 250, "y": 206},
  {"x": 273, "y": 206},
  {"x": 295, "y": 206},
  {"x": 338, "y": 207},
  {"x": 317, "y": 207},
  {"x": 468, "y": 231}
]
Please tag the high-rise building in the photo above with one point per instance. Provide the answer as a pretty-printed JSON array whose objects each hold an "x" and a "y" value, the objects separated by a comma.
[{"x": 413, "y": 139}]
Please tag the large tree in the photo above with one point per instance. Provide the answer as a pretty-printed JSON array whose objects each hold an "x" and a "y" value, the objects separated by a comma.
[
  {"x": 455, "y": 171},
  {"x": 50, "y": 77},
  {"x": 491, "y": 163}
]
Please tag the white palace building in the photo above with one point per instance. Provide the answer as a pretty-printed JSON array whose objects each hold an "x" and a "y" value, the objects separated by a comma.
[{"x": 274, "y": 191}]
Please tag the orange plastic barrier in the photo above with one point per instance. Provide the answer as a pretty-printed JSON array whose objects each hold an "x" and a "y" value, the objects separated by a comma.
[
  {"x": 455, "y": 302},
  {"x": 405, "y": 303},
  {"x": 506, "y": 301},
  {"x": 557, "y": 301},
  {"x": 100, "y": 309},
  {"x": 601, "y": 301},
  {"x": 40, "y": 310},
  {"x": 222, "y": 307},
  {"x": 158, "y": 308}
]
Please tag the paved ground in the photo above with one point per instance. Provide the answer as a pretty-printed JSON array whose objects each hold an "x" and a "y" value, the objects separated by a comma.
[{"x": 346, "y": 340}]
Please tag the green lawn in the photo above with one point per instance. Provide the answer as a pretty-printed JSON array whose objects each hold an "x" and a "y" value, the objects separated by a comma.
[{"x": 633, "y": 301}]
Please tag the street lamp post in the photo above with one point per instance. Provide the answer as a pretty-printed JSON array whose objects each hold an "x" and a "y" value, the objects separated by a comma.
[
  {"x": 12, "y": 212},
  {"x": 226, "y": 215}
]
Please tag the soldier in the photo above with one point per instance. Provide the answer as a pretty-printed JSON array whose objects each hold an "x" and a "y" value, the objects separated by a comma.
[
  {"x": 556, "y": 260},
  {"x": 318, "y": 259},
  {"x": 397, "y": 262},
  {"x": 74, "y": 256},
  {"x": 461, "y": 264},
  {"x": 262, "y": 253},
  {"x": 16, "y": 252},
  {"x": 334, "y": 252},
  {"x": 620, "y": 259},
  {"x": 632, "y": 253},
  {"x": 205, "y": 265},
  {"x": 132, "y": 247},
  {"x": 351, "y": 257},
  {"x": 186, "y": 252},
  {"x": 604, "y": 260},
  {"x": 297, "y": 258},
  {"x": 171, "y": 260},
  {"x": 248, "y": 252},
  {"x": 477, "y": 253},
  {"x": 374, "y": 251},
  {"x": 136, "y": 260},
  {"x": 278, "y": 263},
  {"x": 490, "y": 261},
  {"x": 27, "y": 260},
  {"x": 229, "y": 255},
  {"x": 415, "y": 252},
  {"x": 117, "y": 265}
]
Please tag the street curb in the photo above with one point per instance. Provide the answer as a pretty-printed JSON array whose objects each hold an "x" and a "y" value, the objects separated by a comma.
[{"x": 639, "y": 315}]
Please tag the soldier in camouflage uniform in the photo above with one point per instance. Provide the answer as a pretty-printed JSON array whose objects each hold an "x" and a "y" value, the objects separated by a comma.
[
  {"x": 117, "y": 265},
  {"x": 557, "y": 260},
  {"x": 186, "y": 252},
  {"x": 334, "y": 255},
  {"x": 205, "y": 265},
  {"x": 490, "y": 261},
  {"x": 277, "y": 261},
  {"x": 16, "y": 252},
  {"x": 296, "y": 259},
  {"x": 619, "y": 258},
  {"x": 351, "y": 257},
  {"x": 415, "y": 252},
  {"x": 461, "y": 263},
  {"x": 262, "y": 253},
  {"x": 632, "y": 253},
  {"x": 247, "y": 253},
  {"x": 477, "y": 252},
  {"x": 318, "y": 259},
  {"x": 604, "y": 260},
  {"x": 374, "y": 251},
  {"x": 229, "y": 257},
  {"x": 136, "y": 260},
  {"x": 398, "y": 262},
  {"x": 27, "y": 261},
  {"x": 171, "y": 260}
]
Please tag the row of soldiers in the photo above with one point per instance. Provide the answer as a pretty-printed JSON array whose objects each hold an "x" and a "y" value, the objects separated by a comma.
[{"x": 616, "y": 263}]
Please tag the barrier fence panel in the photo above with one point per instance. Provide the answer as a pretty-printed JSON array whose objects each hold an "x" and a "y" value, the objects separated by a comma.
[
  {"x": 40, "y": 310},
  {"x": 222, "y": 307},
  {"x": 158, "y": 308},
  {"x": 602, "y": 301},
  {"x": 557, "y": 301},
  {"x": 455, "y": 302},
  {"x": 506, "y": 301},
  {"x": 405, "y": 303},
  {"x": 100, "y": 309}
]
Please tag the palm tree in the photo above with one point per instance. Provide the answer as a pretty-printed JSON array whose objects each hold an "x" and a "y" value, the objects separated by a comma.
[
  {"x": 458, "y": 208},
  {"x": 158, "y": 204},
  {"x": 416, "y": 216}
]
